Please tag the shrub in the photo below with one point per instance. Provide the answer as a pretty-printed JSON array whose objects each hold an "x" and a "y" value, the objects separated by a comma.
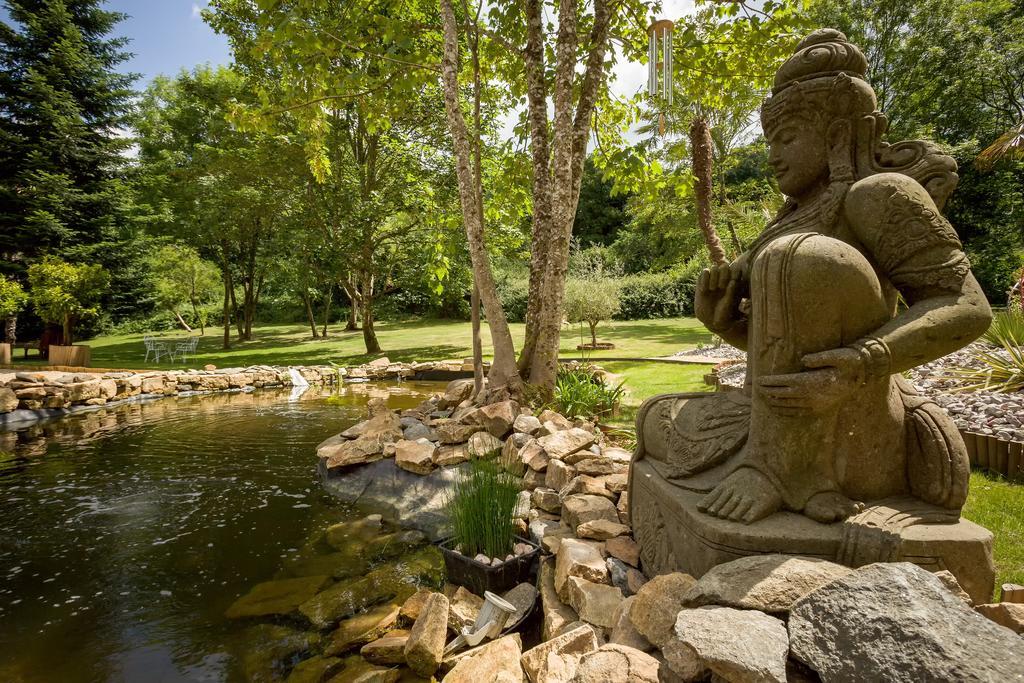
[
  {"x": 12, "y": 298},
  {"x": 481, "y": 510},
  {"x": 668, "y": 294},
  {"x": 66, "y": 293},
  {"x": 579, "y": 393},
  {"x": 1008, "y": 324},
  {"x": 1003, "y": 369},
  {"x": 591, "y": 302}
]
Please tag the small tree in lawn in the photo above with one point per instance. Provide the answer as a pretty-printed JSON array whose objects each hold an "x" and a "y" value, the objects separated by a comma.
[
  {"x": 591, "y": 301},
  {"x": 66, "y": 293},
  {"x": 183, "y": 278},
  {"x": 12, "y": 300}
]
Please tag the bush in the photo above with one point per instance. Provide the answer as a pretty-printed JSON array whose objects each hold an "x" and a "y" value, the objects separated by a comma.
[
  {"x": 667, "y": 294},
  {"x": 1008, "y": 324},
  {"x": 481, "y": 510},
  {"x": 579, "y": 393},
  {"x": 514, "y": 293}
]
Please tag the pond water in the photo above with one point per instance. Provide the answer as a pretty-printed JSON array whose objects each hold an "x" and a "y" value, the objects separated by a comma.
[{"x": 125, "y": 534}]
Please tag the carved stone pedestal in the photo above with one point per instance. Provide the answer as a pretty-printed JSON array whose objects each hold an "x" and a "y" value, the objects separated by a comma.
[{"x": 675, "y": 536}]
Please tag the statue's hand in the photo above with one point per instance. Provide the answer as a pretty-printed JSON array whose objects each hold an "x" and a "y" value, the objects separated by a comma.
[
  {"x": 715, "y": 302},
  {"x": 831, "y": 378}
]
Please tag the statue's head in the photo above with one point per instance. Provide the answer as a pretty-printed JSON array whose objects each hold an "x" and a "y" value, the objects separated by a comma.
[{"x": 811, "y": 117}]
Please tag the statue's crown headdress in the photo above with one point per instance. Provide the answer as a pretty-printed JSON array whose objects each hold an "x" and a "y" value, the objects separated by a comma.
[{"x": 825, "y": 52}]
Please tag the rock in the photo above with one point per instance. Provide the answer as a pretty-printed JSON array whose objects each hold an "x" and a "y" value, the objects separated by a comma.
[
  {"x": 707, "y": 639},
  {"x": 615, "y": 483},
  {"x": 622, "y": 507},
  {"x": 623, "y": 631},
  {"x": 455, "y": 432},
  {"x": 381, "y": 362},
  {"x": 613, "y": 663},
  {"x": 624, "y": 548},
  {"x": 341, "y": 536},
  {"x": 523, "y": 596},
  {"x": 412, "y": 606},
  {"x": 540, "y": 527},
  {"x": 266, "y": 649},
  {"x": 446, "y": 456},
  {"x": 364, "y": 672},
  {"x": 586, "y": 486},
  {"x": 494, "y": 662},
  {"x": 581, "y": 559},
  {"x": 483, "y": 445},
  {"x": 425, "y": 647},
  {"x": 578, "y": 509},
  {"x": 497, "y": 418},
  {"x": 527, "y": 424},
  {"x": 556, "y": 614},
  {"x": 8, "y": 400},
  {"x": 619, "y": 455},
  {"x": 418, "y": 430},
  {"x": 385, "y": 424},
  {"x": 564, "y": 443},
  {"x": 635, "y": 580},
  {"x": 559, "y": 422},
  {"x": 594, "y": 602},
  {"x": 463, "y": 609},
  {"x": 546, "y": 499},
  {"x": 456, "y": 392},
  {"x": 657, "y": 604},
  {"x": 573, "y": 644},
  {"x": 359, "y": 451},
  {"x": 897, "y": 622},
  {"x": 276, "y": 597},
  {"x": 387, "y": 650},
  {"x": 769, "y": 583},
  {"x": 950, "y": 582},
  {"x": 558, "y": 474},
  {"x": 601, "y": 529},
  {"x": 596, "y": 467},
  {"x": 362, "y": 628},
  {"x": 315, "y": 669},
  {"x": 533, "y": 456},
  {"x": 618, "y": 574},
  {"x": 1008, "y": 614},
  {"x": 415, "y": 456}
]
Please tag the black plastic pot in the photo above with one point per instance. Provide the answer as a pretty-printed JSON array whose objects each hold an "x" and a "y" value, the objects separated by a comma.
[{"x": 477, "y": 577}]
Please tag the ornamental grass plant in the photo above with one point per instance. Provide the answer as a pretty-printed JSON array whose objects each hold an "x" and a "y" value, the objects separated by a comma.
[
  {"x": 481, "y": 509},
  {"x": 1002, "y": 369},
  {"x": 578, "y": 393}
]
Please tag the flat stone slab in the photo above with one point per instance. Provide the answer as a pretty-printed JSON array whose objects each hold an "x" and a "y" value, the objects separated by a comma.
[{"x": 276, "y": 597}]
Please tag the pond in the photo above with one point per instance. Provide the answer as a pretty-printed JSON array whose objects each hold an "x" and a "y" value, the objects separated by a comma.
[{"x": 125, "y": 534}]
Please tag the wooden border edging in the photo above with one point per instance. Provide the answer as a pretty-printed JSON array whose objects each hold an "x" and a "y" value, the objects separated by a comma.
[{"x": 995, "y": 455}]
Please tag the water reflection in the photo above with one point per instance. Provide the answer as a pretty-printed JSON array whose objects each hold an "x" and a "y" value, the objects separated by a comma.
[{"x": 125, "y": 533}]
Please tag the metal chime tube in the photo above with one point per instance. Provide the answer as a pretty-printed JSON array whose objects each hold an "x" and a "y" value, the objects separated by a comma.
[
  {"x": 652, "y": 66},
  {"x": 668, "y": 69}
]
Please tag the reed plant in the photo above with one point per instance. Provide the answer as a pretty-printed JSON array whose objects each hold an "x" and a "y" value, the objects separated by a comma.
[
  {"x": 1007, "y": 325},
  {"x": 481, "y": 509},
  {"x": 1002, "y": 368}
]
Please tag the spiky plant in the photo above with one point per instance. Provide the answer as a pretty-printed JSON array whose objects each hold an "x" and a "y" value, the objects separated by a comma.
[{"x": 481, "y": 509}]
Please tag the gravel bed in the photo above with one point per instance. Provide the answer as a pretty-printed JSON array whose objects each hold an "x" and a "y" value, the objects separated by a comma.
[
  {"x": 984, "y": 412},
  {"x": 721, "y": 352}
]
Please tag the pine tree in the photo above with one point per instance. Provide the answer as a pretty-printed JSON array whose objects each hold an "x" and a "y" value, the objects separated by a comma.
[{"x": 62, "y": 108}]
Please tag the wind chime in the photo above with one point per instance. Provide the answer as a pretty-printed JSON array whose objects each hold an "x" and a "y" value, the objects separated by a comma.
[{"x": 659, "y": 67}]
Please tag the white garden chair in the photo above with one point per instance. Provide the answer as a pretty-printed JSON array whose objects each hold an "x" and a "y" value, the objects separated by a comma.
[
  {"x": 155, "y": 347},
  {"x": 184, "y": 349}
]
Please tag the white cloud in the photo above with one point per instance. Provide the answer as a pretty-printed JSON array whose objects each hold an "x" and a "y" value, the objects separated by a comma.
[{"x": 196, "y": 10}]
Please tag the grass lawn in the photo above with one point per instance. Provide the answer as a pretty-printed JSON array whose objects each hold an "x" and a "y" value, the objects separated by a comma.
[
  {"x": 406, "y": 340},
  {"x": 998, "y": 505}
]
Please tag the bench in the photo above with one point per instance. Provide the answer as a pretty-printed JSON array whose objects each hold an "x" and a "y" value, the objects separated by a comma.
[{"x": 26, "y": 346}]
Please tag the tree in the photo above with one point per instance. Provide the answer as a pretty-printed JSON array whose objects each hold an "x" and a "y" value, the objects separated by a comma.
[
  {"x": 591, "y": 301},
  {"x": 66, "y": 293},
  {"x": 181, "y": 277},
  {"x": 600, "y": 213},
  {"x": 12, "y": 300},
  {"x": 62, "y": 106}
]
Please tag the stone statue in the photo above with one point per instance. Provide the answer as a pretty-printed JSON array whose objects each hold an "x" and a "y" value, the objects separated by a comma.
[{"x": 857, "y": 279}]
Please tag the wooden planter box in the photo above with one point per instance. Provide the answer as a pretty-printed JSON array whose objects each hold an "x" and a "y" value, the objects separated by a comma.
[
  {"x": 5, "y": 354},
  {"x": 71, "y": 356}
]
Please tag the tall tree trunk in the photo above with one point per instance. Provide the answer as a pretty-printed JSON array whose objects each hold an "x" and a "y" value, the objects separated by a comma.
[
  {"x": 593, "y": 335},
  {"x": 67, "y": 329},
  {"x": 352, "y": 322},
  {"x": 366, "y": 296},
  {"x": 327, "y": 311},
  {"x": 352, "y": 292},
  {"x": 238, "y": 313},
  {"x": 478, "y": 351},
  {"x": 309, "y": 314},
  {"x": 11, "y": 330},
  {"x": 197, "y": 317},
  {"x": 504, "y": 372},
  {"x": 701, "y": 150},
  {"x": 229, "y": 287}
]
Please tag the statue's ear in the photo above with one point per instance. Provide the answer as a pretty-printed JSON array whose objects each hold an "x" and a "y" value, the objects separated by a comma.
[{"x": 840, "y": 150}]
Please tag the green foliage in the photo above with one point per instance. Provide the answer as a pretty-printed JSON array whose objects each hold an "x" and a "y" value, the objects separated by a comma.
[
  {"x": 581, "y": 393},
  {"x": 591, "y": 301},
  {"x": 181, "y": 277},
  {"x": 66, "y": 293},
  {"x": 1007, "y": 324},
  {"x": 12, "y": 297},
  {"x": 667, "y": 294},
  {"x": 481, "y": 509},
  {"x": 600, "y": 214}
]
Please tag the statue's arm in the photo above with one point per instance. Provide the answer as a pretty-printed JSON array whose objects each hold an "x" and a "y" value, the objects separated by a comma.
[{"x": 896, "y": 219}]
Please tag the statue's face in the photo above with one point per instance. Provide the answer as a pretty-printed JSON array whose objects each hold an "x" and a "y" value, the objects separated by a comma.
[{"x": 799, "y": 156}]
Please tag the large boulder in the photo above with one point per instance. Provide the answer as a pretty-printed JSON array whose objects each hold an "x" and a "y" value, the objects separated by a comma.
[
  {"x": 494, "y": 662},
  {"x": 594, "y": 602},
  {"x": 360, "y": 451},
  {"x": 731, "y": 644},
  {"x": 362, "y": 628},
  {"x": 769, "y": 583},
  {"x": 657, "y": 604},
  {"x": 556, "y": 614},
  {"x": 497, "y": 418},
  {"x": 8, "y": 400},
  {"x": 483, "y": 445},
  {"x": 577, "y": 509},
  {"x": 415, "y": 456},
  {"x": 623, "y": 631},
  {"x": 581, "y": 559},
  {"x": 897, "y": 622},
  {"x": 566, "y": 442},
  {"x": 538, "y": 661}
]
